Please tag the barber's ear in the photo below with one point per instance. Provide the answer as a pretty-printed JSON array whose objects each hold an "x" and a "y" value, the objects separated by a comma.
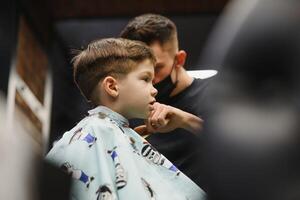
[
  {"x": 110, "y": 85},
  {"x": 181, "y": 57}
]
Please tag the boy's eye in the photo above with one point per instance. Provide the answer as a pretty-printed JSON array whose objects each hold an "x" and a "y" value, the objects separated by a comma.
[{"x": 147, "y": 79}]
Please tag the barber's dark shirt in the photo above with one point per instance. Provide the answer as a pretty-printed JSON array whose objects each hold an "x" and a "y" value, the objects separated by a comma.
[{"x": 180, "y": 146}]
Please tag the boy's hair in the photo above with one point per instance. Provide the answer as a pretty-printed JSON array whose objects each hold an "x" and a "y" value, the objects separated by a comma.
[
  {"x": 150, "y": 28},
  {"x": 111, "y": 56}
]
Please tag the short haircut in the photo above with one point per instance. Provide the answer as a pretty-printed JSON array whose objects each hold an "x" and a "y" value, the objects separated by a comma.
[
  {"x": 149, "y": 28},
  {"x": 107, "y": 57}
]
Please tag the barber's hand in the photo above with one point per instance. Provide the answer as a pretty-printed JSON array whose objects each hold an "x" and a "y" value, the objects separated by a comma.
[
  {"x": 158, "y": 121},
  {"x": 162, "y": 119},
  {"x": 165, "y": 118}
]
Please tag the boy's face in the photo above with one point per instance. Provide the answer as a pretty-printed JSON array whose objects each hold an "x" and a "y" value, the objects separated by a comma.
[
  {"x": 136, "y": 92},
  {"x": 164, "y": 55}
]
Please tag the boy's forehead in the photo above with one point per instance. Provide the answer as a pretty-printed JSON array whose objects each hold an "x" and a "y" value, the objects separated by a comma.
[{"x": 146, "y": 65}]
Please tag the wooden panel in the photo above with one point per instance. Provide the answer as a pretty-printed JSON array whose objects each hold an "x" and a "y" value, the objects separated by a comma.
[
  {"x": 29, "y": 121},
  {"x": 31, "y": 61}
]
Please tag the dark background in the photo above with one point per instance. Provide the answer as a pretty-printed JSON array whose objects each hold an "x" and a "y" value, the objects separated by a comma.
[{"x": 62, "y": 25}]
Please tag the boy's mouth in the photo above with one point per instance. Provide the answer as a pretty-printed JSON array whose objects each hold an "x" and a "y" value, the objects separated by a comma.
[
  {"x": 152, "y": 102},
  {"x": 151, "y": 105}
]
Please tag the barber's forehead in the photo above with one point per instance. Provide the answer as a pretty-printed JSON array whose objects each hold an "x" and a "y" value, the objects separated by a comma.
[{"x": 162, "y": 54}]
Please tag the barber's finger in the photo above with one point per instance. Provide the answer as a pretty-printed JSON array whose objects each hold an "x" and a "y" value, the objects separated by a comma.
[
  {"x": 151, "y": 108},
  {"x": 163, "y": 121},
  {"x": 154, "y": 117},
  {"x": 162, "y": 116},
  {"x": 159, "y": 118},
  {"x": 159, "y": 115},
  {"x": 151, "y": 127},
  {"x": 148, "y": 120}
]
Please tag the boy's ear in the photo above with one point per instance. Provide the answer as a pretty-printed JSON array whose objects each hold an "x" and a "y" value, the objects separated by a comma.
[
  {"x": 181, "y": 57},
  {"x": 110, "y": 85}
]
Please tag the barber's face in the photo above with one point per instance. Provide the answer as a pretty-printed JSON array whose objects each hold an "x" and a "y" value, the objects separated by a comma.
[{"x": 164, "y": 60}]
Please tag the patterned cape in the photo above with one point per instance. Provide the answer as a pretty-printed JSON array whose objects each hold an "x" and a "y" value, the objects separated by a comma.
[{"x": 108, "y": 160}]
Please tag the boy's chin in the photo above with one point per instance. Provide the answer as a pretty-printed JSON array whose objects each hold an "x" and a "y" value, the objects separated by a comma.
[{"x": 143, "y": 115}]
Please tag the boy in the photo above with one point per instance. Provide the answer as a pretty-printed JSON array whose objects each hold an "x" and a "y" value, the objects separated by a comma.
[{"x": 107, "y": 159}]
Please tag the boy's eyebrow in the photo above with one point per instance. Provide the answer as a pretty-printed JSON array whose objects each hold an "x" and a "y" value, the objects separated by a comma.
[{"x": 149, "y": 73}]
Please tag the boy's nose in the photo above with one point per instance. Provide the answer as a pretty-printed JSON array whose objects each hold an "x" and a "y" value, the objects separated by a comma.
[{"x": 153, "y": 91}]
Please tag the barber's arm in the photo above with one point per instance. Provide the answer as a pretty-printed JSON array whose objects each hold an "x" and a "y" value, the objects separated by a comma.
[{"x": 166, "y": 118}]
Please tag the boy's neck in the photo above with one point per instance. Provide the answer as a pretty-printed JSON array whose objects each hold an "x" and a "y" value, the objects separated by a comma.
[
  {"x": 115, "y": 115},
  {"x": 116, "y": 108},
  {"x": 111, "y": 107}
]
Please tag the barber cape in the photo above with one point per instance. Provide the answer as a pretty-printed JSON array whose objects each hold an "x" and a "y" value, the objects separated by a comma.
[{"x": 108, "y": 160}]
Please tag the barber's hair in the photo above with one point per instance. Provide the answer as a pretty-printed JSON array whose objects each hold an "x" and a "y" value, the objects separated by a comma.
[
  {"x": 107, "y": 57},
  {"x": 150, "y": 28}
]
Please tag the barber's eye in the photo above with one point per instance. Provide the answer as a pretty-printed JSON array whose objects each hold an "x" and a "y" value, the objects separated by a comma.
[{"x": 157, "y": 69}]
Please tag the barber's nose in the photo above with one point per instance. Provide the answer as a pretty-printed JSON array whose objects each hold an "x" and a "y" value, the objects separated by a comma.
[{"x": 155, "y": 80}]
